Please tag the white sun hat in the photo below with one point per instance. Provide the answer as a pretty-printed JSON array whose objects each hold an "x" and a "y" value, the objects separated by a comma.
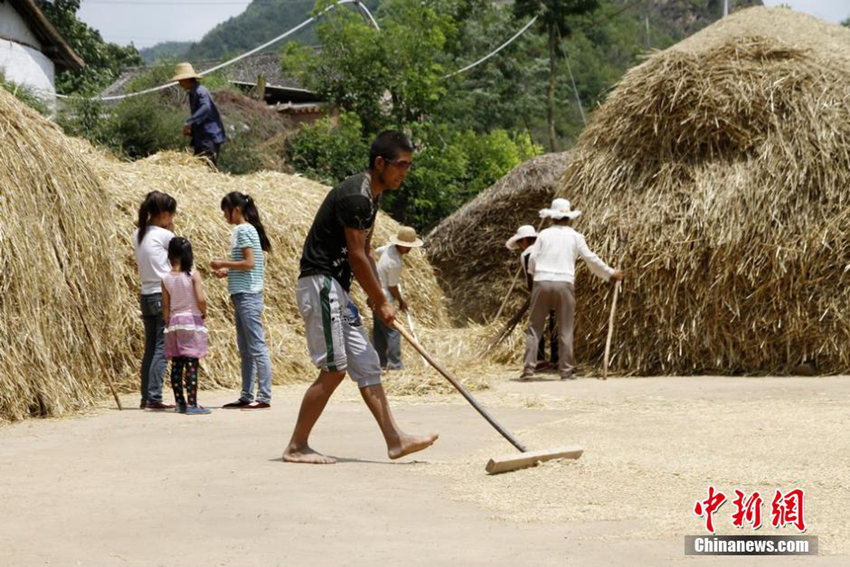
[
  {"x": 560, "y": 209},
  {"x": 406, "y": 237},
  {"x": 184, "y": 71},
  {"x": 525, "y": 231}
]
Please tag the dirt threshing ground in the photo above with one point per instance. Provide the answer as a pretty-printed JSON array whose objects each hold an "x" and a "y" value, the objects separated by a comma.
[{"x": 139, "y": 488}]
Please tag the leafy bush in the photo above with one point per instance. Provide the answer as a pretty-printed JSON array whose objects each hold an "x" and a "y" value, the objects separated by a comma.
[
  {"x": 330, "y": 149},
  {"x": 449, "y": 168}
]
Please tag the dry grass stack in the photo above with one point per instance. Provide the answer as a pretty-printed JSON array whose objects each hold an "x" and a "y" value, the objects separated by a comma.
[
  {"x": 67, "y": 269},
  {"x": 56, "y": 288},
  {"x": 728, "y": 158},
  {"x": 468, "y": 248}
]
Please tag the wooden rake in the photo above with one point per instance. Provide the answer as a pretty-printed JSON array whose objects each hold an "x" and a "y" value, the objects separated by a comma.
[{"x": 495, "y": 465}]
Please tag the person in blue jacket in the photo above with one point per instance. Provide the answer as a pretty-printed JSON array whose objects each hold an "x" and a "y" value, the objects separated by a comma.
[{"x": 204, "y": 126}]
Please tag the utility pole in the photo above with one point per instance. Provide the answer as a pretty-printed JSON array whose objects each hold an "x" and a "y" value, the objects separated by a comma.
[{"x": 725, "y": 8}]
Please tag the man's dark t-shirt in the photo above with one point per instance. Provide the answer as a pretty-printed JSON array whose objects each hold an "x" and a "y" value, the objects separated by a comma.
[{"x": 348, "y": 205}]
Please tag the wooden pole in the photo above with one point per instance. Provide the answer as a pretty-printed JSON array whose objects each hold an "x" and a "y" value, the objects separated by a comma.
[
  {"x": 623, "y": 239},
  {"x": 508, "y": 295},
  {"x": 458, "y": 386},
  {"x": 508, "y": 328}
]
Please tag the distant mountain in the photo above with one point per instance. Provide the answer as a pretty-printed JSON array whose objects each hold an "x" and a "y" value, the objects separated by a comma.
[
  {"x": 261, "y": 21},
  {"x": 166, "y": 50}
]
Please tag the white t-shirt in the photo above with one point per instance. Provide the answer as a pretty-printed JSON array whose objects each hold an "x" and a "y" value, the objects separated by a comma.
[
  {"x": 553, "y": 256},
  {"x": 389, "y": 269},
  {"x": 152, "y": 257}
]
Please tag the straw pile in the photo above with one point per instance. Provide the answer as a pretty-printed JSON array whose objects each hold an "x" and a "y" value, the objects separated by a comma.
[
  {"x": 57, "y": 281},
  {"x": 68, "y": 273},
  {"x": 726, "y": 157},
  {"x": 468, "y": 248}
]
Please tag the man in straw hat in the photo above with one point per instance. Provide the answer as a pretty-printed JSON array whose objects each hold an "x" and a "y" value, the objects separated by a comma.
[
  {"x": 337, "y": 249},
  {"x": 552, "y": 262},
  {"x": 387, "y": 340},
  {"x": 524, "y": 238},
  {"x": 204, "y": 126}
]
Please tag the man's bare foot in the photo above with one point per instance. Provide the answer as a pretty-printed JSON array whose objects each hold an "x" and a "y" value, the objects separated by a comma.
[
  {"x": 306, "y": 455},
  {"x": 410, "y": 444}
]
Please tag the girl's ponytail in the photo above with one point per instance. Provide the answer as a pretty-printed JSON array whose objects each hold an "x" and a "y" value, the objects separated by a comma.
[
  {"x": 252, "y": 215},
  {"x": 155, "y": 202},
  {"x": 143, "y": 219}
]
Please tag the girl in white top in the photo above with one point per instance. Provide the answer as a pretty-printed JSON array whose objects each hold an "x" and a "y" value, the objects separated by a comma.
[{"x": 150, "y": 240}]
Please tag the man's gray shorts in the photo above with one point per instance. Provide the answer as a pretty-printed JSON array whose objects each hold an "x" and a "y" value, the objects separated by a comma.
[{"x": 335, "y": 335}]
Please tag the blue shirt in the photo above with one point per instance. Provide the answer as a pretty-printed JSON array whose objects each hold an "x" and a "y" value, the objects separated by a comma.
[{"x": 205, "y": 120}]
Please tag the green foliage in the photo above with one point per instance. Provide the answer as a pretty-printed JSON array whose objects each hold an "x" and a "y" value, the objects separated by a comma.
[
  {"x": 392, "y": 76},
  {"x": 330, "y": 149},
  {"x": 89, "y": 119},
  {"x": 104, "y": 61},
  {"x": 451, "y": 167},
  {"x": 553, "y": 13},
  {"x": 846, "y": 23}
]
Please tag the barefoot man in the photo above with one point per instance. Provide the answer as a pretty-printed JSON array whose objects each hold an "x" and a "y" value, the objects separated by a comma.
[{"x": 338, "y": 247}]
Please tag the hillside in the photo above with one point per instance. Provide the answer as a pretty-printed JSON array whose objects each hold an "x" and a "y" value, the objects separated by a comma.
[
  {"x": 261, "y": 21},
  {"x": 166, "y": 50}
]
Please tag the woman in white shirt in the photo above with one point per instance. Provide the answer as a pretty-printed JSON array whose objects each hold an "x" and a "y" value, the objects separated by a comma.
[
  {"x": 150, "y": 240},
  {"x": 552, "y": 263}
]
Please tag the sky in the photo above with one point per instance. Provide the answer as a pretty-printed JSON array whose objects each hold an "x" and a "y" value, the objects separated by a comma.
[{"x": 148, "y": 22}]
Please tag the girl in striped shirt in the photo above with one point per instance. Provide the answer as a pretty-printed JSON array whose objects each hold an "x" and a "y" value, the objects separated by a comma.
[{"x": 245, "y": 272}]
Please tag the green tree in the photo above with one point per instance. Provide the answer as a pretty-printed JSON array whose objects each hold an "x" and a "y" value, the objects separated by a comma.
[
  {"x": 387, "y": 77},
  {"x": 330, "y": 149},
  {"x": 104, "y": 61},
  {"x": 553, "y": 20}
]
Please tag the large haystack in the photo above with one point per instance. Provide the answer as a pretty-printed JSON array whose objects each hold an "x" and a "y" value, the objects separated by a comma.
[
  {"x": 57, "y": 274},
  {"x": 728, "y": 158},
  {"x": 67, "y": 270},
  {"x": 468, "y": 248}
]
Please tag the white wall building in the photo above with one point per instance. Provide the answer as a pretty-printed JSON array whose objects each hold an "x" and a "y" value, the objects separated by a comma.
[{"x": 31, "y": 50}]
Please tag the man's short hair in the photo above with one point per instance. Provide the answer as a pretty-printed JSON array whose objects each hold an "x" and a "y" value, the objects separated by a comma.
[{"x": 388, "y": 144}]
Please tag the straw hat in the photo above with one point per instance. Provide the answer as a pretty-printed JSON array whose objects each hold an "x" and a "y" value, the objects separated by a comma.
[
  {"x": 406, "y": 237},
  {"x": 525, "y": 231},
  {"x": 184, "y": 71},
  {"x": 560, "y": 209}
]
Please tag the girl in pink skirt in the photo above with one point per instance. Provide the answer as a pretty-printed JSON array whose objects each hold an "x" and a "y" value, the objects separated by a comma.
[{"x": 184, "y": 308}]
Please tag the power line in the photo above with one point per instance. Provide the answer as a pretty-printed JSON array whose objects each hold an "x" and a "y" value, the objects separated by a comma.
[
  {"x": 495, "y": 51},
  {"x": 229, "y": 62}
]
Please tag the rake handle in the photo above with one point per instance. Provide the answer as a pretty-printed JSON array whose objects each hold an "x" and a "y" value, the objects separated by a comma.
[
  {"x": 624, "y": 238},
  {"x": 458, "y": 386},
  {"x": 610, "y": 331}
]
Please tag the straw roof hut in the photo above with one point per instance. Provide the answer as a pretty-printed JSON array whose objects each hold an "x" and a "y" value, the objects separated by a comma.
[
  {"x": 68, "y": 280},
  {"x": 468, "y": 248},
  {"x": 727, "y": 158}
]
